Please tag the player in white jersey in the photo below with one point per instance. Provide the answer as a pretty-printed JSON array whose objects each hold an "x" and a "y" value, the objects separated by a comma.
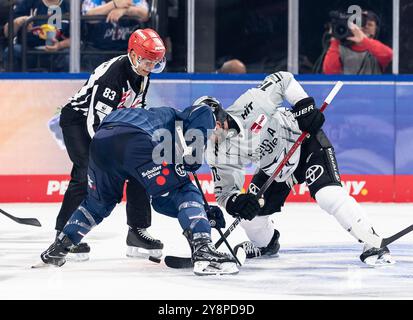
[{"x": 257, "y": 129}]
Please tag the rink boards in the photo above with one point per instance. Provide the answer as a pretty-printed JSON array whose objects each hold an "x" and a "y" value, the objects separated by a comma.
[{"x": 370, "y": 123}]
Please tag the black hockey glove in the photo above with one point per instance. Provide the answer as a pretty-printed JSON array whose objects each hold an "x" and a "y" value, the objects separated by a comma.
[
  {"x": 216, "y": 217},
  {"x": 245, "y": 205},
  {"x": 309, "y": 118}
]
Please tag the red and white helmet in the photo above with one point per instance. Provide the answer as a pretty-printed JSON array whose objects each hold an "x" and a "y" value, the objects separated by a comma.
[{"x": 148, "y": 46}]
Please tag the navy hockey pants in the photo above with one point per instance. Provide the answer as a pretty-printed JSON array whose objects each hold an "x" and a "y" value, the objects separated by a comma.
[{"x": 120, "y": 153}]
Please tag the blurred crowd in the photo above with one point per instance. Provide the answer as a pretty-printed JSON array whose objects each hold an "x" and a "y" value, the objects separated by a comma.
[
  {"x": 250, "y": 37},
  {"x": 105, "y": 32}
]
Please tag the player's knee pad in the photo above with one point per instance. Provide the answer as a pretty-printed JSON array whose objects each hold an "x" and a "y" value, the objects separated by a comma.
[
  {"x": 192, "y": 216},
  {"x": 332, "y": 198},
  {"x": 259, "y": 230},
  {"x": 337, "y": 202}
]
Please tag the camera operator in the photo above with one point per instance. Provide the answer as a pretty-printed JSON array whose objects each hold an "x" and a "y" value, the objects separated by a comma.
[{"x": 355, "y": 50}]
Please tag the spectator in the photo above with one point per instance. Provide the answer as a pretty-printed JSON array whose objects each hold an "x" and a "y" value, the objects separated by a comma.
[
  {"x": 233, "y": 66},
  {"x": 112, "y": 34},
  {"x": 38, "y": 33},
  {"x": 360, "y": 53}
]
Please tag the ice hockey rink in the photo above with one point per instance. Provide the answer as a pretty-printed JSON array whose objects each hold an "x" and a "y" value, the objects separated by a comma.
[{"x": 317, "y": 260}]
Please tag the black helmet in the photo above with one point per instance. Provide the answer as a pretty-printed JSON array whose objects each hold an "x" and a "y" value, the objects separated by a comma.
[{"x": 220, "y": 114}]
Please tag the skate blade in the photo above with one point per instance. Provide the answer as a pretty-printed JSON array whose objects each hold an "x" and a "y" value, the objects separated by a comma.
[
  {"x": 137, "y": 252},
  {"x": 205, "y": 268},
  {"x": 374, "y": 261},
  {"x": 77, "y": 257}
]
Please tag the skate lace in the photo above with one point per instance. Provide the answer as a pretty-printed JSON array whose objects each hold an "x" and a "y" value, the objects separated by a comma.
[
  {"x": 212, "y": 247},
  {"x": 250, "y": 248},
  {"x": 144, "y": 234}
]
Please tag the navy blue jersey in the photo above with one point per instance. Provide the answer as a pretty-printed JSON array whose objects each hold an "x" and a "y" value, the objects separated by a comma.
[
  {"x": 38, "y": 8},
  {"x": 150, "y": 120}
]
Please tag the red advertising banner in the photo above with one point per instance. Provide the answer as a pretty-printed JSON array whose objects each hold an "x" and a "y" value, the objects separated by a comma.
[{"x": 364, "y": 188}]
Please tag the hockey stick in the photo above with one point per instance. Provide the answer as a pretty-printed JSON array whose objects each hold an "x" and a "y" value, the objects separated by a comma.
[
  {"x": 207, "y": 207},
  {"x": 398, "y": 235},
  {"x": 28, "y": 221},
  {"x": 173, "y": 261},
  {"x": 287, "y": 157},
  {"x": 178, "y": 262}
]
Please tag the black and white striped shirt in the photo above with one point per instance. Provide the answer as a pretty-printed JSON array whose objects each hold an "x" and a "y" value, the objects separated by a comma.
[{"x": 113, "y": 85}]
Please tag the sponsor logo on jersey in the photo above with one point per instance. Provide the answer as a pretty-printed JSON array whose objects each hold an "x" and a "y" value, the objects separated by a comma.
[
  {"x": 247, "y": 110},
  {"x": 266, "y": 147},
  {"x": 149, "y": 174},
  {"x": 259, "y": 123},
  {"x": 180, "y": 171},
  {"x": 313, "y": 174},
  {"x": 104, "y": 108}
]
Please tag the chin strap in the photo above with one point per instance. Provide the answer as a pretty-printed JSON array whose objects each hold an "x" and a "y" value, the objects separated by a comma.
[{"x": 134, "y": 68}]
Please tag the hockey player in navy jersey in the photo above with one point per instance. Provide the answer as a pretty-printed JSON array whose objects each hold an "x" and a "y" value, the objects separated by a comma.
[
  {"x": 133, "y": 144},
  {"x": 119, "y": 83}
]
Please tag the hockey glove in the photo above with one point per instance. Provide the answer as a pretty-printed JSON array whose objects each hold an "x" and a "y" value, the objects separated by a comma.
[
  {"x": 216, "y": 217},
  {"x": 310, "y": 119},
  {"x": 244, "y": 205}
]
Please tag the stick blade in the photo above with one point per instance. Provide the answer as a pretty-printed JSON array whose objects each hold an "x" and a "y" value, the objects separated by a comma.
[
  {"x": 178, "y": 262},
  {"x": 28, "y": 221}
]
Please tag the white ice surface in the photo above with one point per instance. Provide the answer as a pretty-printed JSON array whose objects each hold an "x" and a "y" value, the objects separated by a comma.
[{"x": 318, "y": 260}]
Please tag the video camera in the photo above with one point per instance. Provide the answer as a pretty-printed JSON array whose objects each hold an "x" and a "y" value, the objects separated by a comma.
[{"x": 339, "y": 23}]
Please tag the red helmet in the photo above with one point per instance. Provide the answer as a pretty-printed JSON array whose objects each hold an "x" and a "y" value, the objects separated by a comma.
[{"x": 147, "y": 44}]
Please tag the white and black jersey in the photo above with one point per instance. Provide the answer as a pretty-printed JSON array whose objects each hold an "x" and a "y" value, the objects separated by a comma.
[
  {"x": 113, "y": 85},
  {"x": 267, "y": 132}
]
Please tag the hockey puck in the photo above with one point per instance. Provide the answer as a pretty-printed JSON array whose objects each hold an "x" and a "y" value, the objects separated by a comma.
[{"x": 153, "y": 259}]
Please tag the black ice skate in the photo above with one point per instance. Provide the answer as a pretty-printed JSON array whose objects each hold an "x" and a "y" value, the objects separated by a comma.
[
  {"x": 79, "y": 252},
  {"x": 207, "y": 260},
  {"x": 140, "y": 244},
  {"x": 376, "y": 257},
  {"x": 253, "y": 251},
  {"x": 56, "y": 253}
]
